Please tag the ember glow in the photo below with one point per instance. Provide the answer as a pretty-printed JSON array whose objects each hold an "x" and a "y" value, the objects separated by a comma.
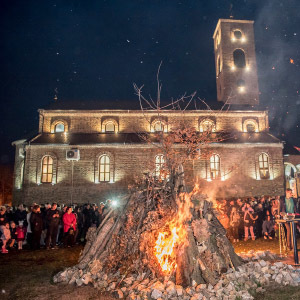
[{"x": 168, "y": 241}]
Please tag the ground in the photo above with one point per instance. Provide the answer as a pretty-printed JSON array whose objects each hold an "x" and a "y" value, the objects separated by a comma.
[{"x": 28, "y": 275}]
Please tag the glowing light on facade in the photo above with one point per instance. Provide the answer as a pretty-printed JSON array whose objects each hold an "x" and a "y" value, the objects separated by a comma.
[{"x": 241, "y": 89}]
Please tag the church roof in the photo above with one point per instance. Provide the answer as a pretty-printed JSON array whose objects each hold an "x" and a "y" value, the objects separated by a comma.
[{"x": 73, "y": 139}]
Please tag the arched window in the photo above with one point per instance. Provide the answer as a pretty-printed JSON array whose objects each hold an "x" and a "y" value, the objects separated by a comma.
[
  {"x": 214, "y": 166},
  {"x": 239, "y": 58},
  {"x": 159, "y": 165},
  {"x": 237, "y": 34},
  {"x": 158, "y": 126},
  {"x": 104, "y": 168},
  {"x": 218, "y": 38},
  {"x": 207, "y": 126},
  {"x": 47, "y": 169},
  {"x": 219, "y": 65},
  {"x": 59, "y": 127},
  {"x": 250, "y": 127},
  {"x": 109, "y": 127},
  {"x": 263, "y": 165},
  {"x": 21, "y": 174}
]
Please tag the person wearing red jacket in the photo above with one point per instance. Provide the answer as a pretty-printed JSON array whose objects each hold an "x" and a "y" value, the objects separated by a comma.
[
  {"x": 69, "y": 220},
  {"x": 21, "y": 233}
]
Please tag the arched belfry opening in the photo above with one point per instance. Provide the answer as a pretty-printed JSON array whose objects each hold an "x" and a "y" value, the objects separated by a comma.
[{"x": 239, "y": 58}]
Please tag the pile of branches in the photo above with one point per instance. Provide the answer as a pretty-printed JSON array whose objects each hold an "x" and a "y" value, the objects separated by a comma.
[{"x": 123, "y": 245}]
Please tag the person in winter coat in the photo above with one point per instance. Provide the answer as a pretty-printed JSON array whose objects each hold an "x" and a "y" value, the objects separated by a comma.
[
  {"x": 249, "y": 221},
  {"x": 20, "y": 215},
  {"x": 268, "y": 227},
  {"x": 288, "y": 205},
  {"x": 29, "y": 235},
  {"x": 36, "y": 225},
  {"x": 13, "y": 234},
  {"x": 3, "y": 216},
  {"x": 21, "y": 232},
  {"x": 5, "y": 236},
  {"x": 52, "y": 218},
  {"x": 69, "y": 220}
]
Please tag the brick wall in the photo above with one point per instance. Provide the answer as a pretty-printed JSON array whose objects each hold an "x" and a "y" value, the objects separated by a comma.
[
  {"x": 227, "y": 79},
  {"x": 238, "y": 165},
  {"x": 136, "y": 121}
]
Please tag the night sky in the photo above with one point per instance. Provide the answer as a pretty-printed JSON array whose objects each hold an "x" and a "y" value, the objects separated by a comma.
[{"x": 95, "y": 50}]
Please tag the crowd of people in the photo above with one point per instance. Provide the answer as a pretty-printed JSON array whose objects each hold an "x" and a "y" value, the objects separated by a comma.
[
  {"x": 253, "y": 218},
  {"x": 48, "y": 225},
  {"x": 51, "y": 226}
]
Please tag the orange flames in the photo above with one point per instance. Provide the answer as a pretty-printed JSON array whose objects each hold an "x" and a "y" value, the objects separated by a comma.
[
  {"x": 168, "y": 241},
  {"x": 164, "y": 250}
]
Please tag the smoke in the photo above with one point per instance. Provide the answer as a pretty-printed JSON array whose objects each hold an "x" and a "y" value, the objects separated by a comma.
[{"x": 277, "y": 25}]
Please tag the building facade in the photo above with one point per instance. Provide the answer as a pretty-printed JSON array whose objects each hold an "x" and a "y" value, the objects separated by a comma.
[{"x": 84, "y": 156}]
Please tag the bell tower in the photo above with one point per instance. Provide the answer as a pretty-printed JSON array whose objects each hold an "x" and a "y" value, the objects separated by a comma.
[{"x": 235, "y": 60}]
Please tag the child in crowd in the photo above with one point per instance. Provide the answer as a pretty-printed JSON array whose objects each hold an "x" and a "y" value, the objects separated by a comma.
[
  {"x": 5, "y": 236},
  {"x": 21, "y": 232},
  {"x": 13, "y": 233}
]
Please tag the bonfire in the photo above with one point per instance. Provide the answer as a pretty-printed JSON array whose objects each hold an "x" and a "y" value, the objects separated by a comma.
[
  {"x": 157, "y": 235},
  {"x": 164, "y": 229}
]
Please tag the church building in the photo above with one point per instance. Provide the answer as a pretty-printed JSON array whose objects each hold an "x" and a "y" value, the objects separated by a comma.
[{"x": 90, "y": 155}]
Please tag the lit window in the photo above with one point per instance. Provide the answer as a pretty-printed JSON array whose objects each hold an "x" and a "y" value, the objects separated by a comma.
[
  {"x": 158, "y": 126},
  {"x": 104, "y": 168},
  {"x": 218, "y": 38},
  {"x": 159, "y": 165},
  {"x": 263, "y": 164},
  {"x": 109, "y": 127},
  {"x": 59, "y": 127},
  {"x": 239, "y": 58},
  {"x": 207, "y": 126},
  {"x": 47, "y": 169},
  {"x": 250, "y": 127},
  {"x": 214, "y": 166},
  {"x": 21, "y": 174},
  {"x": 219, "y": 66}
]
